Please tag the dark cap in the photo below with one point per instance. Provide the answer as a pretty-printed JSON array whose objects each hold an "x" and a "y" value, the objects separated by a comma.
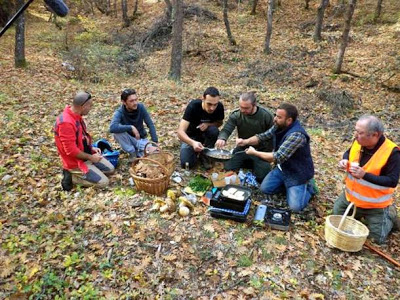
[{"x": 81, "y": 98}]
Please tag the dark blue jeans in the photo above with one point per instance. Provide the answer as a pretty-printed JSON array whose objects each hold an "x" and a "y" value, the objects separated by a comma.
[
  {"x": 297, "y": 196},
  {"x": 187, "y": 153}
]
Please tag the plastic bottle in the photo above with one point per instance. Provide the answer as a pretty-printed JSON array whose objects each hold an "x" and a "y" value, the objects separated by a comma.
[
  {"x": 241, "y": 176},
  {"x": 187, "y": 170}
]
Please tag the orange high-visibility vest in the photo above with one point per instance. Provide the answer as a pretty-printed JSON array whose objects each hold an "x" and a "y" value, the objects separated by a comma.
[{"x": 365, "y": 194}]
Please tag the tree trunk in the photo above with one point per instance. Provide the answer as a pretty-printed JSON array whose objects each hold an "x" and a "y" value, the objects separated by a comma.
[
  {"x": 227, "y": 26},
  {"x": 125, "y": 17},
  {"x": 169, "y": 9},
  {"x": 176, "y": 52},
  {"x": 320, "y": 18},
  {"x": 253, "y": 7},
  {"x": 271, "y": 5},
  {"x": 19, "y": 55},
  {"x": 135, "y": 8},
  {"x": 378, "y": 10},
  {"x": 345, "y": 36}
]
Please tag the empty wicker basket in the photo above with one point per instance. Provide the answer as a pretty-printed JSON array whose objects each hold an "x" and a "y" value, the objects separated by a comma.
[
  {"x": 154, "y": 186},
  {"x": 345, "y": 233}
]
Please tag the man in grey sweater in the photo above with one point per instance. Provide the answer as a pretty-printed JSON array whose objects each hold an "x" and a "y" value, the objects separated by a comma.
[
  {"x": 249, "y": 119},
  {"x": 127, "y": 125}
]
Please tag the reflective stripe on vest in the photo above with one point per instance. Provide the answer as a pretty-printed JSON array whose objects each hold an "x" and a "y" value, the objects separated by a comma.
[{"x": 365, "y": 194}]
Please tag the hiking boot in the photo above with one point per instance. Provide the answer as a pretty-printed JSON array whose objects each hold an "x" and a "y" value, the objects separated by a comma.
[
  {"x": 394, "y": 217},
  {"x": 66, "y": 182}
]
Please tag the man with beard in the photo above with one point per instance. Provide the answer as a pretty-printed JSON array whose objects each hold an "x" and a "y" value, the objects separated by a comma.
[
  {"x": 199, "y": 127},
  {"x": 292, "y": 156},
  {"x": 127, "y": 125},
  {"x": 249, "y": 119}
]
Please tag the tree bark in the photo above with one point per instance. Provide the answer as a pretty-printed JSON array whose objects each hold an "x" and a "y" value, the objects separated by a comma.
[
  {"x": 253, "y": 7},
  {"x": 345, "y": 36},
  {"x": 125, "y": 17},
  {"x": 19, "y": 54},
  {"x": 227, "y": 26},
  {"x": 176, "y": 52},
  {"x": 378, "y": 10},
  {"x": 169, "y": 9},
  {"x": 320, "y": 18},
  {"x": 135, "y": 8},
  {"x": 271, "y": 5}
]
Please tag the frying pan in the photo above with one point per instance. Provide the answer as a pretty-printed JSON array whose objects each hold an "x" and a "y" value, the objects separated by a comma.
[{"x": 219, "y": 154}]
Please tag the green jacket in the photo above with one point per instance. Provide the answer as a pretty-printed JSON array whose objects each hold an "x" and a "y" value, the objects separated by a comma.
[{"x": 249, "y": 125}]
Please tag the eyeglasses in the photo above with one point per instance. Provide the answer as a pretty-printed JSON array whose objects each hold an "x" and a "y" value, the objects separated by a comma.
[{"x": 88, "y": 98}]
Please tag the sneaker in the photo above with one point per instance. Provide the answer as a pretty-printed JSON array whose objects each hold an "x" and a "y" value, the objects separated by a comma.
[{"x": 66, "y": 182}]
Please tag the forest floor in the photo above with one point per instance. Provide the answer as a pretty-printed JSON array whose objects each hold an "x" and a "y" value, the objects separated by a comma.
[{"x": 106, "y": 243}]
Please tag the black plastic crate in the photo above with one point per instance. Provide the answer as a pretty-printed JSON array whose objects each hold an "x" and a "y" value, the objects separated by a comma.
[
  {"x": 220, "y": 201},
  {"x": 224, "y": 213}
]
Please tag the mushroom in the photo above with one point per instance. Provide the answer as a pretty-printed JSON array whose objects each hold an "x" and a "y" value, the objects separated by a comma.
[
  {"x": 183, "y": 211},
  {"x": 171, "y": 204},
  {"x": 185, "y": 202}
]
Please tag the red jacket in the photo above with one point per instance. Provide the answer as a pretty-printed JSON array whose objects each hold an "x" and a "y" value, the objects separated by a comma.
[{"x": 69, "y": 131}]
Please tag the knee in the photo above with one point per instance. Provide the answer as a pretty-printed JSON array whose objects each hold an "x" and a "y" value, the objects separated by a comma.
[{"x": 212, "y": 131}]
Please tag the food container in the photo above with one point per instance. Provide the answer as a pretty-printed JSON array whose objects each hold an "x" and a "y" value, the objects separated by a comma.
[{"x": 231, "y": 197}]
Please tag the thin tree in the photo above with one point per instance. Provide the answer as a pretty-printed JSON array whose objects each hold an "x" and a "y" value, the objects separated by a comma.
[
  {"x": 227, "y": 26},
  {"x": 345, "y": 36},
  {"x": 169, "y": 9},
  {"x": 253, "y": 7},
  {"x": 135, "y": 8},
  {"x": 19, "y": 55},
  {"x": 271, "y": 5},
  {"x": 125, "y": 17},
  {"x": 177, "y": 29},
  {"x": 320, "y": 18},
  {"x": 378, "y": 10}
]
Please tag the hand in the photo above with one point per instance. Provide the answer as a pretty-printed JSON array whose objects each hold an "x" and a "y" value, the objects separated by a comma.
[
  {"x": 241, "y": 142},
  {"x": 220, "y": 144},
  {"x": 95, "y": 158},
  {"x": 203, "y": 126},
  {"x": 197, "y": 146},
  {"x": 135, "y": 133},
  {"x": 251, "y": 151},
  {"x": 357, "y": 172},
  {"x": 343, "y": 164},
  {"x": 96, "y": 150}
]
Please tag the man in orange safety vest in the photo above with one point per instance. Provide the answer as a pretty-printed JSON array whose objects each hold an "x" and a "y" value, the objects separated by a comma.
[{"x": 373, "y": 169}]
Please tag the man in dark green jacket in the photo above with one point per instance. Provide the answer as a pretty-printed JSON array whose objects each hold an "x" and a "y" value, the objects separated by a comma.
[{"x": 249, "y": 119}]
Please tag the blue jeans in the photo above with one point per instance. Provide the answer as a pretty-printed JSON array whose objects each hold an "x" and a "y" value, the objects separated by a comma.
[
  {"x": 297, "y": 196},
  {"x": 187, "y": 153}
]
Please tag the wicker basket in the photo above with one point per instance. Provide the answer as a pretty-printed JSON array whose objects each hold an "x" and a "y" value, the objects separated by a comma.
[
  {"x": 345, "y": 233},
  {"x": 154, "y": 186},
  {"x": 165, "y": 158}
]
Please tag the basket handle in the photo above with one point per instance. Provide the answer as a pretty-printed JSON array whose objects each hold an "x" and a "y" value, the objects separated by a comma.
[
  {"x": 346, "y": 213},
  {"x": 146, "y": 153},
  {"x": 152, "y": 161}
]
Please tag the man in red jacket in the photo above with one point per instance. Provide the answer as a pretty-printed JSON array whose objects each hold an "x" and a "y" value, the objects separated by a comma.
[{"x": 82, "y": 163}]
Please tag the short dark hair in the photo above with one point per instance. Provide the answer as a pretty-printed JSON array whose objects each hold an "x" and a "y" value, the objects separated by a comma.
[
  {"x": 126, "y": 93},
  {"x": 291, "y": 110},
  {"x": 212, "y": 91}
]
